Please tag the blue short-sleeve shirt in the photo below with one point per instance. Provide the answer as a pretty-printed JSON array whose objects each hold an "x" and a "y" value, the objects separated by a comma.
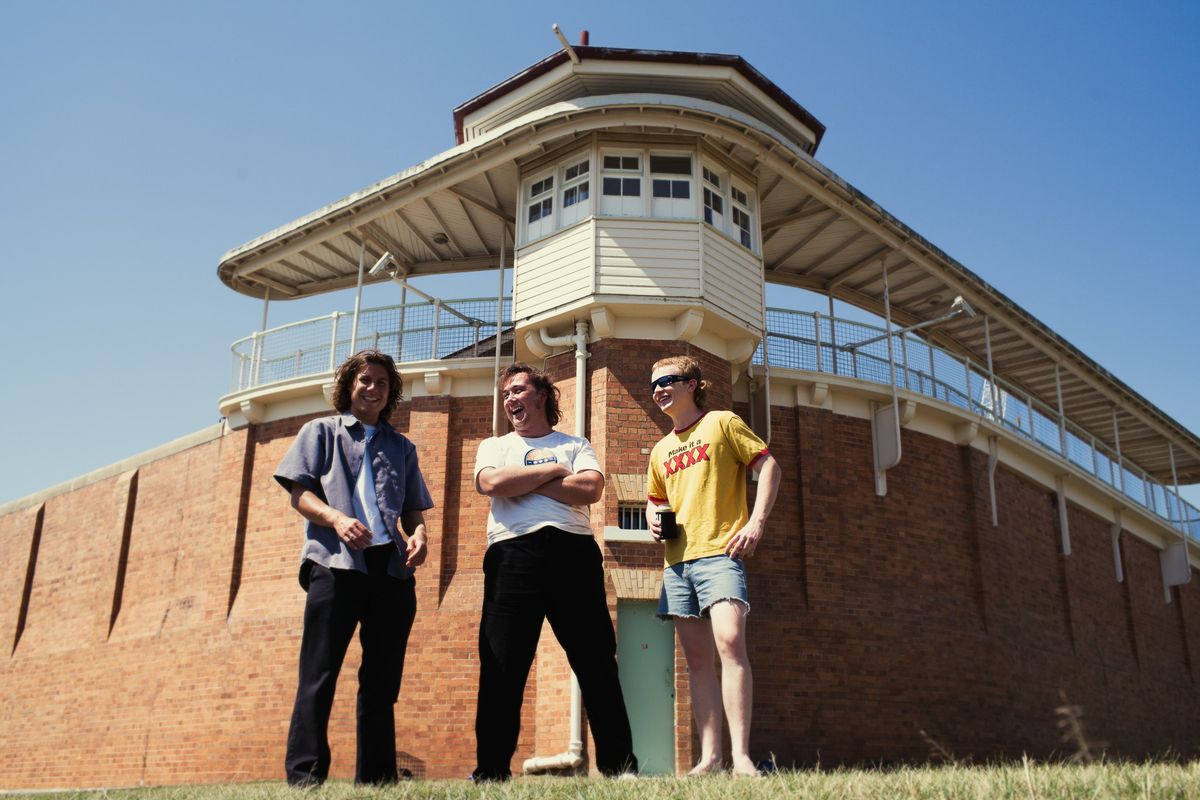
[{"x": 325, "y": 459}]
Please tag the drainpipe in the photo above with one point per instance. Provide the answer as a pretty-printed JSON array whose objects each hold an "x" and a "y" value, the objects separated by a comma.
[{"x": 573, "y": 756}]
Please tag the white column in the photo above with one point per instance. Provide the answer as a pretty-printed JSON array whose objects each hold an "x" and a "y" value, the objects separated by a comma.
[{"x": 362, "y": 255}]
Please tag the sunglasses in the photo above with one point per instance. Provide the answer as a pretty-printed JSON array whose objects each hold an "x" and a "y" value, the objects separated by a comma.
[{"x": 667, "y": 380}]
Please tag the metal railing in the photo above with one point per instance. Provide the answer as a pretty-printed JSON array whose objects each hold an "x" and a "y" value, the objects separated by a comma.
[
  {"x": 799, "y": 340},
  {"x": 817, "y": 343},
  {"x": 410, "y": 332}
]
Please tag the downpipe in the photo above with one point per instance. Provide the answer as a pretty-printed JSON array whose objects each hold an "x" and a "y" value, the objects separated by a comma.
[{"x": 573, "y": 756}]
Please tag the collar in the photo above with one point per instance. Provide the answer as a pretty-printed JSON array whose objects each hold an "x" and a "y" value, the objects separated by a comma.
[
  {"x": 687, "y": 428},
  {"x": 349, "y": 421}
]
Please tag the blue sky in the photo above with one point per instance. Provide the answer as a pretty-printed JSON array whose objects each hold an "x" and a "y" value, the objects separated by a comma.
[{"x": 1049, "y": 147}]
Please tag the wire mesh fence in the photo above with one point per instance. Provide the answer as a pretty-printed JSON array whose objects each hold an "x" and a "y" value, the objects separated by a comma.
[
  {"x": 815, "y": 342},
  {"x": 409, "y": 332},
  {"x": 797, "y": 340}
]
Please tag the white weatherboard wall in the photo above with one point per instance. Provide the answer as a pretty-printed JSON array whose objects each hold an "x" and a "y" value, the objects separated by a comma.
[
  {"x": 679, "y": 262},
  {"x": 553, "y": 271},
  {"x": 647, "y": 258},
  {"x": 733, "y": 279}
]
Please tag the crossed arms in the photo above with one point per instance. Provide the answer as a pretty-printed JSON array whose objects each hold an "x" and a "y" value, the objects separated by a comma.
[{"x": 555, "y": 481}]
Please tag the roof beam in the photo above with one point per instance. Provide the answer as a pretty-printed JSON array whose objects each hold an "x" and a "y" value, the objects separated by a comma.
[
  {"x": 838, "y": 248},
  {"x": 273, "y": 284},
  {"x": 359, "y": 241},
  {"x": 779, "y": 223},
  {"x": 765, "y": 193},
  {"x": 445, "y": 228},
  {"x": 482, "y": 204},
  {"x": 471, "y": 220},
  {"x": 417, "y": 232},
  {"x": 322, "y": 263},
  {"x": 487, "y": 180},
  {"x": 902, "y": 285},
  {"x": 798, "y": 214},
  {"x": 308, "y": 273},
  {"x": 373, "y": 230},
  {"x": 800, "y": 245},
  {"x": 921, "y": 298},
  {"x": 1041, "y": 363},
  {"x": 353, "y": 262},
  {"x": 860, "y": 265}
]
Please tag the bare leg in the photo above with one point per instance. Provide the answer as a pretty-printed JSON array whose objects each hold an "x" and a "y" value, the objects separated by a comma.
[
  {"x": 737, "y": 684},
  {"x": 696, "y": 636}
]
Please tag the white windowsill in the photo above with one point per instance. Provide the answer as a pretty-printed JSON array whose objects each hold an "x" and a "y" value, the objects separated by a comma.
[{"x": 614, "y": 534}]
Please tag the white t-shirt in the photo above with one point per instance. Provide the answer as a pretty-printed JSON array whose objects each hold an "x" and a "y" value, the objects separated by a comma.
[{"x": 511, "y": 517}]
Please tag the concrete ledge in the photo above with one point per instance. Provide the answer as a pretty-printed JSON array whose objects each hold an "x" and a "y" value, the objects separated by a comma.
[
  {"x": 202, "y": 436},
  {"x": 614, "y": 534}
]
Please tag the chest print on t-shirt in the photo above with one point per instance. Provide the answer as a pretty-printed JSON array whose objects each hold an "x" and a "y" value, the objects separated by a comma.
[
  {"x": 687, "y": 457},
  {"x": 538, "y": 456}
]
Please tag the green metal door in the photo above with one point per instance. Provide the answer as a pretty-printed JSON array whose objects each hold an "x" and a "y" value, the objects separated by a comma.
[{"x": 646, "y": 660}]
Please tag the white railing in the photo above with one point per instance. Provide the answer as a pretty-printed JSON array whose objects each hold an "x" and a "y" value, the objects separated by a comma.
[
  {"x": 410, "y": 332},
  {"x": 795, "y": 339},
  {"x": 814, "y": 342}
]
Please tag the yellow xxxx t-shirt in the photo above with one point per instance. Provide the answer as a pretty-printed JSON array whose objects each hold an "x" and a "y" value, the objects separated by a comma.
[{"x": 700, "y": 472}]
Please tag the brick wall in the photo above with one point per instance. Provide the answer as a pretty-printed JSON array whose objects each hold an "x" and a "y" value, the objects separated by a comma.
[{"x": 150, "y": 623}]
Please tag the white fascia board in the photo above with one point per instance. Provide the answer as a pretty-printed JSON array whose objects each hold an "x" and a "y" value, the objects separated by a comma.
[
  {"x": 705, "y": 72},
  {"x": 480, "y": 116}
]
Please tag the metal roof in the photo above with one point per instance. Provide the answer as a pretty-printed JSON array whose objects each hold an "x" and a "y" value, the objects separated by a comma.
[
  {"x": 620, "y": 83},
  {"x": 452, "y": 212}
]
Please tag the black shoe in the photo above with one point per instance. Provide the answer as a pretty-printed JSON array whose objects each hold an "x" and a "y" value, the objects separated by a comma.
[{"x": 481, "y": 775}]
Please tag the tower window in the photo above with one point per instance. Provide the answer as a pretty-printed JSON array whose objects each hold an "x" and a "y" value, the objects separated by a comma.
[{"x": 576, "y": 192}]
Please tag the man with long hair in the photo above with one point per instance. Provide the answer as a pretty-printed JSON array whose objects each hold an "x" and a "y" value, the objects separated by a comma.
[
  {"x": 542, "y": 563},
  {"x": 698, "y": 472},
  {"x": 356, "y": 481}
]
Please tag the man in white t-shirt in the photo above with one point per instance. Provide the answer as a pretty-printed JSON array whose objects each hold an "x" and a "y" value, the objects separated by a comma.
[{"x": 542, "y": 563}]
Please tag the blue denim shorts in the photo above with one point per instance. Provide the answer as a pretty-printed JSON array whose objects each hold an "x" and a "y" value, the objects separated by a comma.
[{"x": 690, "y": 588}]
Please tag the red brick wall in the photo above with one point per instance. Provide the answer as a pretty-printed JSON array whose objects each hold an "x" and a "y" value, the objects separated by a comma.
[{"x": 153, "y": 639}]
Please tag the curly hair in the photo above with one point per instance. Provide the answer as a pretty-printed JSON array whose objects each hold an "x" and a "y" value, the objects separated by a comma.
[
  {"x": 540, "y": 382},
  {"x": 689, "y": 368},
  {"x": 343, "y": 380}
]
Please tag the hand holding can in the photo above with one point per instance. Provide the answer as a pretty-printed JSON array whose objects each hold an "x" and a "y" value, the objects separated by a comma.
[{"x": 669, "y": 528}]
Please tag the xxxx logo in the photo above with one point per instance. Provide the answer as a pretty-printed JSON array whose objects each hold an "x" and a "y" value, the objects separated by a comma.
[{"x": 686, "y": 459}]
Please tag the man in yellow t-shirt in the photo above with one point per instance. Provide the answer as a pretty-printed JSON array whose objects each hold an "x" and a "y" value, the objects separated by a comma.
[{"x": 698, "y": 471}]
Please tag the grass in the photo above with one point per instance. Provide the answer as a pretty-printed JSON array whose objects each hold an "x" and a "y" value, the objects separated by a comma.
[{"x": 1023, "y": 780}]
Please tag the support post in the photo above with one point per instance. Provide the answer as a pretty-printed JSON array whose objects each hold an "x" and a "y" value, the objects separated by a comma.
[
  {"x": 1115, "y": 535},
  {"x": 1060, "y": 490},
  {"x": 970, "y": 395},
  {"x": 833, "y": 345},
  {"x": 1062, "y": 417},
  {"x": 1175, "y": 485},
  {"x": 932, "y": 370},
  {"x": 499, "y": 328},
  {"x": 333, "y": 341},
  {"x": 892, "y": 422},
  {"x": 1117, "y": 441},
  {"x": 403, "y": 314},
  {"x": 997, "y": 416},
  {"x": 362, "y": 256},
  {"x": 260, "y": 338},
  {"x": 993, "y": 460},
  {"x": 437, "y": 317},
  {"x": 817, "y": 323}
]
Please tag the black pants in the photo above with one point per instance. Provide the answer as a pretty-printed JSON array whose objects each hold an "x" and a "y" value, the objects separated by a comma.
[
  {"x": 554, "y": 575},
  {"x": 384, "y": 608}
]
